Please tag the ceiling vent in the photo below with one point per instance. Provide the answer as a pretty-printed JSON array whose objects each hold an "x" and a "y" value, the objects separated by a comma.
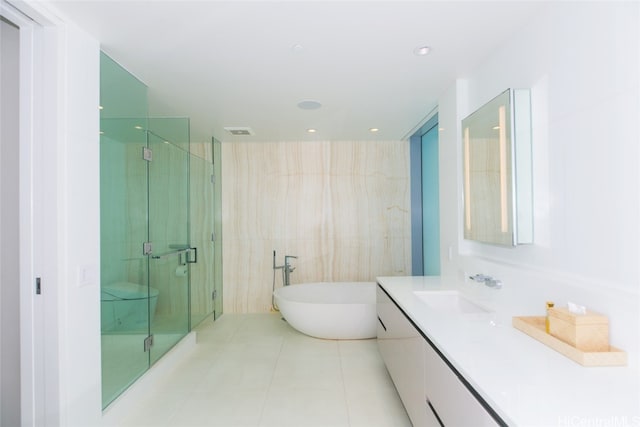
[{"x": 239, "y": 131}]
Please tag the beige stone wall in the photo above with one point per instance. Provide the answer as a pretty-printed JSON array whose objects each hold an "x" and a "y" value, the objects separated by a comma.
[{"x": 342, "y": 207}]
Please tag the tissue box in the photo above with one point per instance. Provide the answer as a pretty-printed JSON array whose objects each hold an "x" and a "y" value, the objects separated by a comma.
[{"x": 586, "y": 332}]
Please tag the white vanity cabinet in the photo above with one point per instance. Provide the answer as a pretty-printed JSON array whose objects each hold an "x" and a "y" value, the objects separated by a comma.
[
  {"x": 431, "y": 391},
  {"x": 448, "y": 397},
  {"x": 402, "y": 349}
]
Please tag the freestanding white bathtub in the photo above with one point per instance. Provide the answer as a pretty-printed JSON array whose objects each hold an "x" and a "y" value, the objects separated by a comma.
[{"x": 342, "y": 310}]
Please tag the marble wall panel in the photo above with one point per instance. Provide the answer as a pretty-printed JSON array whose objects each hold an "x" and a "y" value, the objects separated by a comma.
[
  {"x": 341, "y": 206},
  {"x": 202, "y": 150}
]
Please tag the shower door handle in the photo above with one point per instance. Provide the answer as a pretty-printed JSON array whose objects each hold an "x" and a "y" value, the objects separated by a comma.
[
  {"x": 195, "y": 256},
  {"x": 170, "y": 254}
]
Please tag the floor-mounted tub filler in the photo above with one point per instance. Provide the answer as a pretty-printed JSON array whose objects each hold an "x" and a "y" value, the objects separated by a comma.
[{"x": 341, "y": 310}]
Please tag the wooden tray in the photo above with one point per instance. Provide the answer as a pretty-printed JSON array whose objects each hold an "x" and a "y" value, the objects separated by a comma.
[{"x": 535, "y": 327}]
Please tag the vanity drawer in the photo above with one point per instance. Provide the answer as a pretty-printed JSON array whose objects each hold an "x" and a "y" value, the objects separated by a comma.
[{"x": 448, "y": 397}]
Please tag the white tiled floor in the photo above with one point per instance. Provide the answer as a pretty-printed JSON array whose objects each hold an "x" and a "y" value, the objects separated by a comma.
[{"x": 255, "y": 370}]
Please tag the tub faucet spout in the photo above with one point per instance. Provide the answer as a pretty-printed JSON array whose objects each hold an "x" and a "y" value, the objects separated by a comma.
[
  {"x": 288, "y": 269},
  {"x": 286, "y": 262}
]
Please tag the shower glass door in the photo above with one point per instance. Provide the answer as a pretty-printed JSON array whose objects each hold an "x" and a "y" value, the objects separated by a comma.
[
  {"x": 168, "y": 195},
  {"x": 202, "y": 234},
  {"x": 124, "y": 268}
]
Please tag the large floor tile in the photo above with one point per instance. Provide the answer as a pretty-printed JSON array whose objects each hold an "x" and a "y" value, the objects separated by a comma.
[
  {"x": 223, "y": 408},
  {"x": 305, "y": 408},
  {"x": 238, "y": 374},
  {"x": 365, "y": 374},
  {"x": 305, "y": 372},
  {"x": 153, "y": 410},
  {"x": 255, "y": 370},
  {"x": 376, "y": 408},
  {"x": 302, "y": 346}
]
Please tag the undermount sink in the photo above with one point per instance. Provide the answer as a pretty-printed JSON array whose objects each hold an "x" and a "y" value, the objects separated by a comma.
[{"x": 450, "y": 301}]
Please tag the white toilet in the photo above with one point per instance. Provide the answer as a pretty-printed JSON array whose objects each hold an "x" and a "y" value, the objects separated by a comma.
[{"x": 124, "y": 306}]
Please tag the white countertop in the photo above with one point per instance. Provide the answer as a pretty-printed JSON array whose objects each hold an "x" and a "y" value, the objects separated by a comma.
[{"x": 524, "y": 381}]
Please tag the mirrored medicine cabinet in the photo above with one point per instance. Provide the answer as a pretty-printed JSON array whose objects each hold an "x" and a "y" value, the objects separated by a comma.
[{"x": 497, "y": 170}]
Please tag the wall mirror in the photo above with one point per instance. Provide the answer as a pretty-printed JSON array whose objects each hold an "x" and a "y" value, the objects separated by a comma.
[{"x": 497, "y": 171}]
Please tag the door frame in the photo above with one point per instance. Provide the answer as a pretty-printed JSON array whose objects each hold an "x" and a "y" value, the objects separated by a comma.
[{"x": 9, "y": 220}]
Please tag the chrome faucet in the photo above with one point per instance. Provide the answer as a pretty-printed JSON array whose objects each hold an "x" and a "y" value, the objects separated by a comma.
[
  {"x": 487, "y": 280},
  {"x": 288, "y": 269}
]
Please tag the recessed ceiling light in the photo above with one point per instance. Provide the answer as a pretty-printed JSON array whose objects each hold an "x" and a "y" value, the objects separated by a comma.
[
  {"x": 309, "y": 104},
  {"x": 312, "y": 130},
  {"x": 138, "y": 127},
  {"x": 374, "y": 130},
  {"x": 422, "y": 50}
]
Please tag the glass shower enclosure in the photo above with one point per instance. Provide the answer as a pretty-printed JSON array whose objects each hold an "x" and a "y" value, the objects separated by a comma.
[{"x": 157, "y": 232}]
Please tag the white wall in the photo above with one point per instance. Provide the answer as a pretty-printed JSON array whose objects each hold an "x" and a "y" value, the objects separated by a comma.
[
  {"x": 581, "y": 62},
  {"x": 79, "y": 228}
]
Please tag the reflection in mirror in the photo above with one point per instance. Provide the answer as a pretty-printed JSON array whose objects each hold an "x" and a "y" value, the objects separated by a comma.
[{"x": 497, "y": 171}]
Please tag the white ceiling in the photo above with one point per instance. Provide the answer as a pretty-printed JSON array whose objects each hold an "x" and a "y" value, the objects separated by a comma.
[{"x": 233, "y": 63}]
